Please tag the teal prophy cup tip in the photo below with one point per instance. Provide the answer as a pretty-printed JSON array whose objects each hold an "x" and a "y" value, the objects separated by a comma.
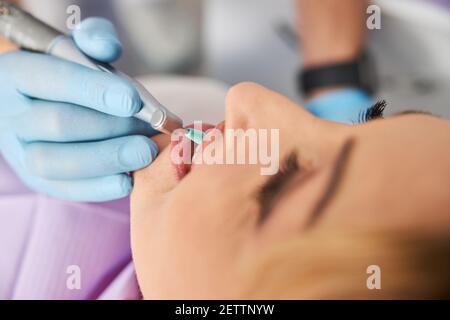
[{"x": 195, "y": 135}]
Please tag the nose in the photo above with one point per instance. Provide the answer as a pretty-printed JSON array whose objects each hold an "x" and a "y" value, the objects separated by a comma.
[{"x": 251, "y": 106}]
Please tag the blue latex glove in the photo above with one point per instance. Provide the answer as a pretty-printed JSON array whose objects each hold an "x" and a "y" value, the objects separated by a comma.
[
  {"x": 343, "y": 105},
  {"x": 67, "y": 130}
]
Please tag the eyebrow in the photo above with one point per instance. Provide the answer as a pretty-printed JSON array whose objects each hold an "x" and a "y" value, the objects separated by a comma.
[{"x": 335, "y": 179}]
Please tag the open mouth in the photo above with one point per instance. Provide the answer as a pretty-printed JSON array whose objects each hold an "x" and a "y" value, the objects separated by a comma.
[{"x": 183, "y": 144}]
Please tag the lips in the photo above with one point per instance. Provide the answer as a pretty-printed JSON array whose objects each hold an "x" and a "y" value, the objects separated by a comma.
[{"x": 183, "y": 143}]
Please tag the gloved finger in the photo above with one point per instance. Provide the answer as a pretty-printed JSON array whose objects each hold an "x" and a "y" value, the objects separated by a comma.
[
  {"x": 344, "y": 106},
  {"x": 65, "y": 161},
  {"x": 93, "y": 190},
  {"x": 98, "y": 38},
  {"x": 49, "y": 78},
  {"x": 7, "y": 94},
  {"x": 61, "y": 122},
  {"x": 87, "y": 190}
]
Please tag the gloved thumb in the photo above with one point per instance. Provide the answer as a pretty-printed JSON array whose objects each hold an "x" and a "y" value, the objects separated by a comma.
[
  {"x": 343, "y": 105},
  {"x": 98, "y": 38}
]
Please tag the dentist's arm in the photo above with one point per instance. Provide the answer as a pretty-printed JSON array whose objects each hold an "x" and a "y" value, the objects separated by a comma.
[
  {"x": 67, "y": 130},
  {"x": 332, "y": 32}
]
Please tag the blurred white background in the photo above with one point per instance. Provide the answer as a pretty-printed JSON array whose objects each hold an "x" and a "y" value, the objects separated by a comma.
[{"x": 254, "y": 40}]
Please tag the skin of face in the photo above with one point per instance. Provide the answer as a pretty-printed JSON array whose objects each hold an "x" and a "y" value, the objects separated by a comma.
[{"x": 190, "y": 237}]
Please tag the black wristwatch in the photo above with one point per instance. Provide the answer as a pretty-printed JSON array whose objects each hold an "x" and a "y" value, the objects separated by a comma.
[{"x": 359, "y": 73}]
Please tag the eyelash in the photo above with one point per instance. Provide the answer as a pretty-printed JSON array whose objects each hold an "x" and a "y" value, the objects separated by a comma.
[{"x": 374, "y": 112}]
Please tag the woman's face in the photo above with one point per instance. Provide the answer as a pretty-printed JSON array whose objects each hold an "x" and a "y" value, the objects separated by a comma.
[{"x": 192, "y": 232}]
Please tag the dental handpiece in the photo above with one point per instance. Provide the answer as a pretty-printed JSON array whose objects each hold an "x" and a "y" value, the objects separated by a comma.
[{"x": 29, "y": 33}]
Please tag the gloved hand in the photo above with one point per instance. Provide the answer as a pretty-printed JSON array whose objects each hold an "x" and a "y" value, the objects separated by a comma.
[
  {"x": 342, "y": 105},
  {"x": 67, "y": 130}
]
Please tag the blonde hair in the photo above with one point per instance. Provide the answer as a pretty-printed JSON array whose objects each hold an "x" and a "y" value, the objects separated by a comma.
[{"x": 334, "y": 266}]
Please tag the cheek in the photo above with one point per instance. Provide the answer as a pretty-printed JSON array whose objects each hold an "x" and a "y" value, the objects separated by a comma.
[
  {"x": 214, "y": 202},
  {"x": 155, "y": 180},
  {"x": 195, "y": 248}
]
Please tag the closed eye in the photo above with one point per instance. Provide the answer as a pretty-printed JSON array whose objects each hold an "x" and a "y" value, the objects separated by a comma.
[
  {"x": 377, "y": 112},
  {"x": 271, "y": 191}
]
